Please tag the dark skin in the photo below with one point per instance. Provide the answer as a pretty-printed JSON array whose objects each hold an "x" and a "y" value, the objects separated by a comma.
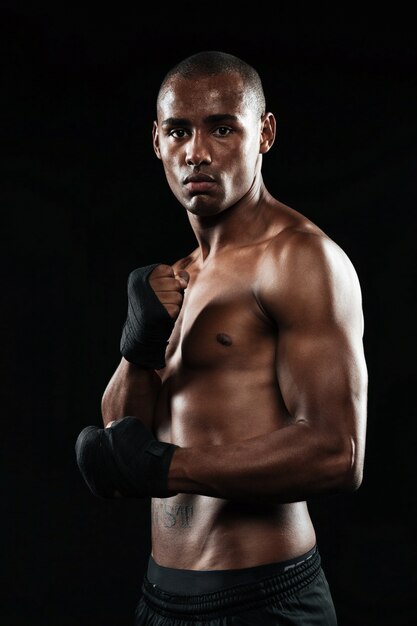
[{"x": 265, "y": 384}]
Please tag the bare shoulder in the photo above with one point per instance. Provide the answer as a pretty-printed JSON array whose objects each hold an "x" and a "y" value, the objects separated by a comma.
[
  {"x": 304, "y": 244},
  {"x": 299, "y": 240},
  {"x": 305, "y": 272}
]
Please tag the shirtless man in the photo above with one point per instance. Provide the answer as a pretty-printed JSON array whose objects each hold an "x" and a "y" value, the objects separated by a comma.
[{"x": 242, "y": 389}]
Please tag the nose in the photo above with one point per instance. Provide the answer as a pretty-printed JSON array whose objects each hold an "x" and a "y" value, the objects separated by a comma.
[{"x": 198, "y": 152}]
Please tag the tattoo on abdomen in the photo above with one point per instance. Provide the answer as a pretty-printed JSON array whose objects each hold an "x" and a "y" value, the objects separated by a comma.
[{"x": 170, "y": 515}]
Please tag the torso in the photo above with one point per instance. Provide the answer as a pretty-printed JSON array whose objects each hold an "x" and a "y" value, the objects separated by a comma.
[{"x": 220, "y": 386}]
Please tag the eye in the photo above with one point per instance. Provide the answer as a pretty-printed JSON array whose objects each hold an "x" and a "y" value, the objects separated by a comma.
[
  {"x": 223, "y": 131},
  {"x": 178, "y": 133}
]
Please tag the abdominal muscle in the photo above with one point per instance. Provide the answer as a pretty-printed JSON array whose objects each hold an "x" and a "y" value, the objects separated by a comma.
[
  {"x": 204, "y": 533},
  {"x": 191, "y": 531}
]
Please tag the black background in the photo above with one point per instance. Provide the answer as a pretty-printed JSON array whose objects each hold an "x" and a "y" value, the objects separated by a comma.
[{"x": 84, "y": 201}]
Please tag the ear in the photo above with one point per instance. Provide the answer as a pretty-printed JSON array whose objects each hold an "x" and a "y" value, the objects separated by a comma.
[
  {"x": 155, "y": 139},
  {"x": 268, "y": 130}
]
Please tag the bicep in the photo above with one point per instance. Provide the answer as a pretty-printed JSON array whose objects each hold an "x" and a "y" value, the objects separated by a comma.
[
  {"x": 321, "y": 373},
  {"x": 323, "y": 380},
  {"x": 316, "y": 303}
]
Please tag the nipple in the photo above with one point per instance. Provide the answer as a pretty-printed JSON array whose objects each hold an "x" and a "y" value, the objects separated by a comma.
[{"x": 224, "y": 339}]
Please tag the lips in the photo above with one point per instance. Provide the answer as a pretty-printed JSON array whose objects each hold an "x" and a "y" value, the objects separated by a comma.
[
  {"x": 199, "y": 183},
  {"x": 199, "y": 178}
]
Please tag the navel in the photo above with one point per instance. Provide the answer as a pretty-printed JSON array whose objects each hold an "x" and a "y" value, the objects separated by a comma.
[{"x": 224, "y": 339}]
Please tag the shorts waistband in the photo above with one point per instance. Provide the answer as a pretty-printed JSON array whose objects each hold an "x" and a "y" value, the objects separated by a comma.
[
  {"x": 206, "y": 581},
  {"x": 187, "y": 595}
]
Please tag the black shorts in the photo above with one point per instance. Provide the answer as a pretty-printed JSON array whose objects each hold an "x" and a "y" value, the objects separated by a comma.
[{"x": 287, "y": 593}]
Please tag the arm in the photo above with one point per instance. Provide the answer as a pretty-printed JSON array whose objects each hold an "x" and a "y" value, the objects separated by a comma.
[
  {"x": 310, "y": 290},
  {"x": 124, "y": 458},
  {"x": 133, "y": 389}
]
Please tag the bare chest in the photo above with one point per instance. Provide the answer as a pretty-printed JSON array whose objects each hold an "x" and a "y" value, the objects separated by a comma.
[{"x": 221, "y": 321}]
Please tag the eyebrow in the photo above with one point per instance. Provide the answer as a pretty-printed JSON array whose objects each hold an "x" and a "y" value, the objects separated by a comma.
[{"x": 218, "y": 117}]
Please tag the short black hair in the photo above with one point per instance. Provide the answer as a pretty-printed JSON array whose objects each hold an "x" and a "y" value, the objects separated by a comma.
[{"x": 212, "y": 62}]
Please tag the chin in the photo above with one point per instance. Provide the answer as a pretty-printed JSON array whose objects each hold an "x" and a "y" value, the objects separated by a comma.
[
  {"x": 204, "y": 211},
  {"x": 200, "y": 207}
]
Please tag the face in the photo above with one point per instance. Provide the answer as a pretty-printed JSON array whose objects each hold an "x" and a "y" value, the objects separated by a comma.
[{"x": 210, "y": 140}]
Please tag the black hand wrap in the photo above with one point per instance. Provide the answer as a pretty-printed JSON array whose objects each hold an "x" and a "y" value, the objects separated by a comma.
[
  {"x": 126, "y": 458},
  {"x": 148, "y": 325}
]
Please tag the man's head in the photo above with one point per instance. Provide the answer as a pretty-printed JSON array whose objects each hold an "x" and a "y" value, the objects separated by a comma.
[
  {"x": 211, "y": 63},
  {"x": 211, "y": 130}
]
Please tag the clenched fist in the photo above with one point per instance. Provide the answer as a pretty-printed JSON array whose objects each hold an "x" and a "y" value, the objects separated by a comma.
[
  {"x": 169, "y": 286},
  {"x": 155, "y": 295}
]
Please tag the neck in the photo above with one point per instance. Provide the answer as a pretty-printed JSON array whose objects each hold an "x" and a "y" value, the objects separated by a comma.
[{"x": 236, "y": 226}]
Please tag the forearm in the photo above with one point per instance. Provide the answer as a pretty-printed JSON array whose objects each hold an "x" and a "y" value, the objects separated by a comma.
[
  {"x": 288, "y": 465},
  {"x": 131, "y": 391}
]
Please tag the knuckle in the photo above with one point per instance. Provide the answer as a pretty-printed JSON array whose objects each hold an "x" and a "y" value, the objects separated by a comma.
[
  {"x": 170, "y": 284},
  {"x": 177, "y": 298},
  {"x": 165, "y": 270}
]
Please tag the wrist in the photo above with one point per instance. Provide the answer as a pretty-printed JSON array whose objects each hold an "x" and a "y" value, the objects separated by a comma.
[
  {"x": 148, "y": 325},
  {"x": 145, "y": 356},
  {"x": 186, "y": 473}
]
